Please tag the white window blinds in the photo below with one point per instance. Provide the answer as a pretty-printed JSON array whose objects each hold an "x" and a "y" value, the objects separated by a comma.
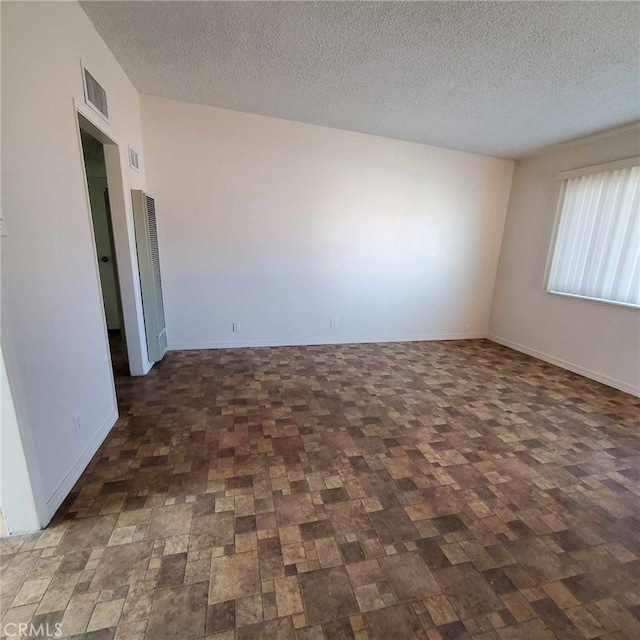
[{"x": 597, "y": 248}]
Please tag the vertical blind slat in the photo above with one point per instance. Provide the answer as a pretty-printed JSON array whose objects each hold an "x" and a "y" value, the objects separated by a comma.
[{"x": 597, "y": 248}]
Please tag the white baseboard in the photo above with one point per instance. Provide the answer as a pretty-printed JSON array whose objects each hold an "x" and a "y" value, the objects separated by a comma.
[
  {"x": 64, "y": 488},
  {"x": 569, "y": 366},
  {"x": 307, "y": 342}
]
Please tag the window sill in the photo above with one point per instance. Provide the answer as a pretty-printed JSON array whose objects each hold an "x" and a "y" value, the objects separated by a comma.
[{"x": 614, "y": 303}]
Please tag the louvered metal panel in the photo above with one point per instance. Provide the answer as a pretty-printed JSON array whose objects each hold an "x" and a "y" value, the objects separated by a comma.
[
  {"x": 95, "y": 95},
  {"x": 134, "y": 160},
  {"x": 144, "y": 215}
]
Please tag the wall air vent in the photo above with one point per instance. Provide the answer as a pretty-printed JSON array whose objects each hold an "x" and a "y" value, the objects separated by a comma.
[
  {"x": 94, "y": 95},
  {"x": 134, "y": 160}
]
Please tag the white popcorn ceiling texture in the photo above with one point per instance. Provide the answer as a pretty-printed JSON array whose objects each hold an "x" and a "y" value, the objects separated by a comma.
[{"x": 497, "y": 78}]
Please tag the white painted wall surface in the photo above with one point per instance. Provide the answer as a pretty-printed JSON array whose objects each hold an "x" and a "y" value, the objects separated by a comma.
[
  {"x": 16, "y": 487},
  {"x": 598, "y": 340},
  {"x": 280, "y": 226},
  {"x": 53, "y": 329}
]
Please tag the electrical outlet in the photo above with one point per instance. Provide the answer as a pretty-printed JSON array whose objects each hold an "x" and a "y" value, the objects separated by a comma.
[
  {"x": 235, "y": 327},
  {"x": 466, "y": 330},
  {"x": 3, "y": 227},
  {"x": 333, "y": 323},
  {"x": 77, "y": 423}
]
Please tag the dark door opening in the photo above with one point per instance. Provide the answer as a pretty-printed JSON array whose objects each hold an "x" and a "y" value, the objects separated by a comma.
[{"x": 96, "y": 173}]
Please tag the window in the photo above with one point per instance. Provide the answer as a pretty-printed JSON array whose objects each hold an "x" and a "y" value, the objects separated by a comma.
[{"x": 597, "y": 248}]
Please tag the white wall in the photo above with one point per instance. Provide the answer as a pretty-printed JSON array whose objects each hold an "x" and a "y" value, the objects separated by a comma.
[
  {"x": 280, "y": 226},
  {"x": 16, "y": 486},
  {"x": 53, "y": 329},
  {"x": 598, "y": 340}
]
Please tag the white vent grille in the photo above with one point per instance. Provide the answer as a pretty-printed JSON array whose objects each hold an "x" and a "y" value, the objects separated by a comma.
[
  {"x": 134, "y": 160},
  {"x": 155, "y": 258},
  {"x": 95, "y": 95}
]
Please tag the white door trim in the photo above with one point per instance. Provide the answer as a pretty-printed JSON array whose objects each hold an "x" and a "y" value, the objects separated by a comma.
[{"x": 116, "y": 160}]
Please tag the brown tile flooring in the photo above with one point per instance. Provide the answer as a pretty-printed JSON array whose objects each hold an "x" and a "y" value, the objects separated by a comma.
[{"x": 417, "y": 490}]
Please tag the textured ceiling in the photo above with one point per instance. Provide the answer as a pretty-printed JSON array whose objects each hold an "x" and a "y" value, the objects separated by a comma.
[{"x": 499, "y": 78}]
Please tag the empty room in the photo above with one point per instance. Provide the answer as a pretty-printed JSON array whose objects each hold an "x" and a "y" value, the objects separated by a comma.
[{"x": 320, "y": 320}]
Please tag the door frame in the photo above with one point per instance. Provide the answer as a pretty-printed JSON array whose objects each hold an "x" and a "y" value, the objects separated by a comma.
[{"x": 124, "y": 244}]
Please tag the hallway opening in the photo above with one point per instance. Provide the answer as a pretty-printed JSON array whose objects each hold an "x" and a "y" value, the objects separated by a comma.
[{"x": 98, "y": 189}]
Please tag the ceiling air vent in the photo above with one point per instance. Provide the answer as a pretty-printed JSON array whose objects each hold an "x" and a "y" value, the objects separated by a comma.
[
  {"x": 134, "y": 160},
  {"x": 95, "y": 95}
]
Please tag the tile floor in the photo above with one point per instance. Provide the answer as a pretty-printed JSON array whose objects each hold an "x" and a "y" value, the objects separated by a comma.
[{"x": 393, "y": 491}]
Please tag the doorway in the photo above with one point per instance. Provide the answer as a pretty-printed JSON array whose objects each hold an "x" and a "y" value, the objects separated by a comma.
[{"x": 98, "y": 189}]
